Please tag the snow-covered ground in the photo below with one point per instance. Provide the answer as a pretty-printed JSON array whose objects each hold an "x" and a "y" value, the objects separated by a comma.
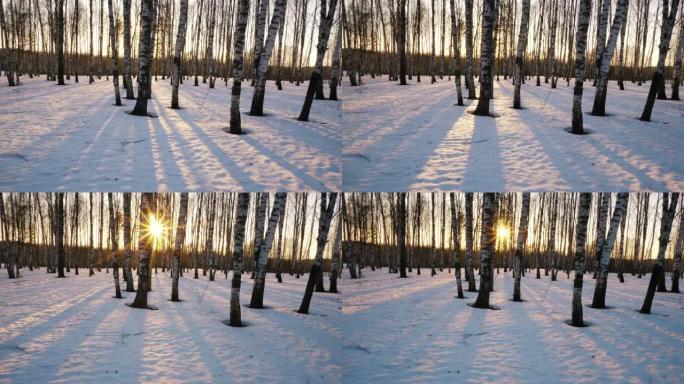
[
  {"x": 414, "y": 137},
  {"x": 414, "y": 331},
  {"x": 73, "y": 138},
  {"x": 72, "y": 331}
]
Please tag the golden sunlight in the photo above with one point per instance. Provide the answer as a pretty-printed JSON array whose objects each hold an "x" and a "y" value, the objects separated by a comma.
[
  {"x": 502, "y": 232},
  {"x": 156, "y": 228}
]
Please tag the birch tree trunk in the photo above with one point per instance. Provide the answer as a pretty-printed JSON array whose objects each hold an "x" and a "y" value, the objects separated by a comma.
[
  {"x": 180, "y": 238},
  {"x": 455, "y": 42},
  {"x": 144, "y": 61},
  {"x": 469, "y": 242},
  {"x": 115, "y": 246},
  {"x": 209, "y": 53},
  {"x": 128, "y": 83},
  {"x": 92, "y": 231},
  {"x": 115, "y": 54},
  {"x": 519, "y": 55},
  {"x": 266, "y": 51},
  {"x": 260, "y": 25},
  {"x": 316, "y": 76},
  {"x": 520, "y": 244},
  {"x": 178, "y": 50},
  {"x": 580, "y": 47},
  {"x": 677, "y": 73},
  {"x": 606, "y": 56},
  {"x": 580, "y": 259},
  {"x": 456, "y": 238},
  {"x": 606, "y": 250},
  {"x": 326, "y": 214},
  {"x": 677, "y": 267},
  {"x": 433, "y": 251},
  {"x": 487, "y": 241},
  {"x": 59, "y": 211},
  {"x": 658, "y": 272},
  {"x": 260, "y": 278},
  {"x": 401, "y": 41},
  {"x": 401, "y": 232},
  {"x": 658, "y": 76},
  {"x": 470, "y": 82},
  {"x": 59, "y": 39},
  {"x": 7, "y": 58},
  {"x": 147, "y": 210},
  {"x": 128, "y": 274},
  {"x": 238, "y": 240},
  {"x": 336, "y": 258},
  {"x": 238, "y": 62},
  {"x": 486, "y": 59},
  {"x": 5, "y": 236},
  {"x": 337, "y": 59}
]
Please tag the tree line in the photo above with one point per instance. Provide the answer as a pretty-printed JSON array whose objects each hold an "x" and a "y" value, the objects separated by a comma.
[
  {"x": 557, "y": 233},
  {"x": 251, "y": 233},
  {"x": 63, "y": 39},
  {"x": 553, "y": 39}
]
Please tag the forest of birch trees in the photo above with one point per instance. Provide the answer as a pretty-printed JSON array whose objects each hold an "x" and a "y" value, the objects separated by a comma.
[
  {"x": 136, "y": 43},
  {"x": 196, "y": 235},
  {"x": 601, "y": 236},
  {"x": 539, "y": 42}
]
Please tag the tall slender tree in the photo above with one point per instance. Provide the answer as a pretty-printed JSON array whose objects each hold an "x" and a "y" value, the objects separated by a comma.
[
  {"x": 580, "y": 259},
  {"x": 235, "y": 319}
]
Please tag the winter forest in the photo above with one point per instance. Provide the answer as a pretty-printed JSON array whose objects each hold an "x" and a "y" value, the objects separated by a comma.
[
  {"x": 199, "y": 261},
  {"x": 170, "y": 95},
  {"x": 442, "y": 93},
  {"x": 341, "y": 191},
  {"x": 513, "y": 287}
]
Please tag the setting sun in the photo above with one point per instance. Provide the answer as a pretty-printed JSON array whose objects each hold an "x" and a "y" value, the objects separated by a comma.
[
  {"x": 156, "y": 228},
  {"x": 502, "y": 232}
]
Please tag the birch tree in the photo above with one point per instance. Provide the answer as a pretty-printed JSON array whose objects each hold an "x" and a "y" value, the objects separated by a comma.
[
  {"x": 115, "y": 245},
  {"x": 519, "y": 56},
  {"x": 677, "y": 73},
  {"x": 144, "y": 62},
  {"x": 455, "y": 236},
  {"x": 455, "y": 42},
  {"x": 658, "y": 273},
  {"x": 147, "y": 209},
  {"x": 128, "y": 274},
  {"x": 238, "y": 62},
  {"x": 115, "y": 54},
  {"x": 606, "y": 250},
  {"x": 327, "y": 17},
  {"x": 487, "y": 241},
  {"x": 580, "y": 259},
  {"x": 178, "y": 244},
  {"x": 265, "y": 53},
  {"x": 679, "y": 248},
  {"x": 668, "y": 21},
  {"x": 470, "y": 82},
  {"x": 235, "y": 319},
  {"x": 128, "y": 82},
  {"x": 486, "y": 58},
  {"x": 580, "y": 67},
  {"x": 178, "y": 50},
  {"x": 520, "y": 244},
  {"x": 606, "y": 56},
  {"x": 470, "y": 274},
  {"x": 327, "y": 207},
  {"x": 336, "y": 258},
  {"x": 262, "y": 258}
]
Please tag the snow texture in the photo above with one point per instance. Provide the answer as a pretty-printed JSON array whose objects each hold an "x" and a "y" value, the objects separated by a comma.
[
  {"x": 414, "y": 330},
  {"x": 399, "y": 138},
  {"x": 72, "y": 331},
  {"x": 73, "y": 138}
]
